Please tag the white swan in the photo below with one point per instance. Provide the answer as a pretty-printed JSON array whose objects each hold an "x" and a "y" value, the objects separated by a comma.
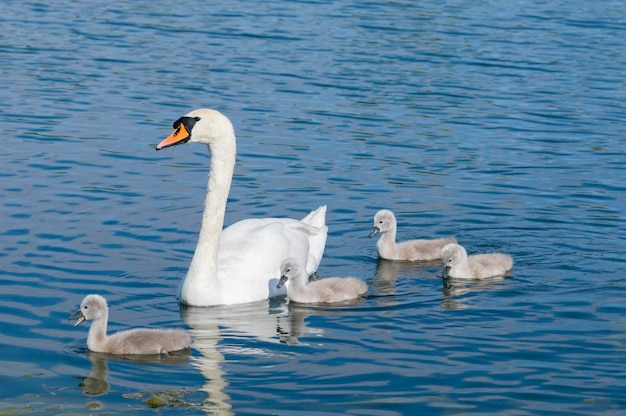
[
  {"x": 238, "y": 264},
  {"x": 457, "y": 264},
  {"x": 328, "y": 290},
  {"x": 134, "y": 341},
  {"x": 385, "y": 224}
]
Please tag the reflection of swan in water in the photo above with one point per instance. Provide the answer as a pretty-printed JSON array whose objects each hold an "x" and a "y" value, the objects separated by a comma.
[
  {"x": 266, "y": 320},
  {"x": 96, "y": 384}
]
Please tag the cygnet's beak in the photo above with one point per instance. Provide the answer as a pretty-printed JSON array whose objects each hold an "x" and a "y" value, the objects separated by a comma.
[
  {"x": 446, "y": 272},
  {"x": 78, "y": 315},
  {"x": 375, "y": 231},
  {"x": 179, "y": 136},
  {"x": 282, "y": 281}
]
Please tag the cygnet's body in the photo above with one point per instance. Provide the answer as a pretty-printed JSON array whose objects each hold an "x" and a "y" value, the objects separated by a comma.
[
  {"x": 134, "y": 341},
  {"x": 411, "y": 250},
  {"x": 329, "y": 290},
  {"x": 458, "y": 265}
]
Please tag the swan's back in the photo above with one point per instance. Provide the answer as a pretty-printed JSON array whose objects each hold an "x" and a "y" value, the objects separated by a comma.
[{"x": 304, "y": 238}]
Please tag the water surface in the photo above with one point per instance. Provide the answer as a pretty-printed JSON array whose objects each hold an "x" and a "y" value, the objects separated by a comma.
[{"x": 501, "y": 124}]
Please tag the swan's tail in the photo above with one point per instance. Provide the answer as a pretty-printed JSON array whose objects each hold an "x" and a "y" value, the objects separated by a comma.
[
  {"x": 317, "y": 237},
  {"x": 316, "y": 218}
]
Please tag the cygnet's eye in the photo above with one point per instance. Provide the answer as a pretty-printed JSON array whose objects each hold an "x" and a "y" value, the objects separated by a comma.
[{"x": 86, "y": 307}]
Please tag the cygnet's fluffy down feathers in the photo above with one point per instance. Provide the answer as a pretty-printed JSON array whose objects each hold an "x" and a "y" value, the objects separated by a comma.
[
  {"x": 457, "y": 264},
  {"x": 144, "y": 341},
  {"x": 411, "y": 250},
  {"x": 328, "y": 290},
  {"x": 134, "y": 341}
]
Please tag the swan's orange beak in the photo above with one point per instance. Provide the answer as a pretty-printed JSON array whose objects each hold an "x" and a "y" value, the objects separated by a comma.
[{"x": 178, "y": 136}]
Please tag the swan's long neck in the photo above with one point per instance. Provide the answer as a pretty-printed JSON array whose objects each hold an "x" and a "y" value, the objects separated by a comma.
[
  {"x": 201, "y": 286},
  {"x": 98, "y": 332}
]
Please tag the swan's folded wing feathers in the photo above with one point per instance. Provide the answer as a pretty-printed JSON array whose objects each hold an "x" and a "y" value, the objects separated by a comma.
[
  {"x": 258, "y": 252},
  {"x": 282, "y": 237},
  {"x": 317, "y": 217}
]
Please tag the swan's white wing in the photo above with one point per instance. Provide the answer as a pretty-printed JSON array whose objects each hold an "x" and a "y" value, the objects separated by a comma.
[
  {"x": 313, "y": 226},
  {"x": 317, "y": 237},
  {"x": 251, "y": 252}
]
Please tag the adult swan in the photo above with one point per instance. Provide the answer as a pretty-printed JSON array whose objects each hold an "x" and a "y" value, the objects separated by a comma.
[{"x": 241, "y": 263}]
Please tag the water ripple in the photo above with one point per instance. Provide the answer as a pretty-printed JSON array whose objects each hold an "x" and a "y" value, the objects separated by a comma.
[{"x": 501, "y": 126}]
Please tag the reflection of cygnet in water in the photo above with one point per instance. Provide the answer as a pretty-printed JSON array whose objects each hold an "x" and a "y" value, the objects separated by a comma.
[
  {"x": 134, "y": 341},
  {"x": 458, "y": 265},
  {"x": 328, "y": 290},
  {"x": 95, "y": 384},
  {"x": 412, "y": 250}
]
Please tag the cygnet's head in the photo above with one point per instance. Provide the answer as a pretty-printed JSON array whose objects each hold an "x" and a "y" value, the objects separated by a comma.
[
  {"x": 202, "y": 126},
  {"x": 384, "y": 220},
  {"x": 288, "y": 270},
  {"x": 91, "y": 308},
  {"x": 451, "y": 255}
]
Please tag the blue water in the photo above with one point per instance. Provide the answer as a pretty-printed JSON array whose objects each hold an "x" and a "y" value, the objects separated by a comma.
[{"x": 501, "y": 123}]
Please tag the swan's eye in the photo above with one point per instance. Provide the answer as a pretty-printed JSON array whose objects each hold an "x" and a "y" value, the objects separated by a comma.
[{"x": 86, "y": 307}]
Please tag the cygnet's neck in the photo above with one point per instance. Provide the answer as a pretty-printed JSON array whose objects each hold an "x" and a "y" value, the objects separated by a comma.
[
  {"x": 387, "y": 239},
  {"x": 98, "y": 332},
  {"x": 202, "y": 273}
]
